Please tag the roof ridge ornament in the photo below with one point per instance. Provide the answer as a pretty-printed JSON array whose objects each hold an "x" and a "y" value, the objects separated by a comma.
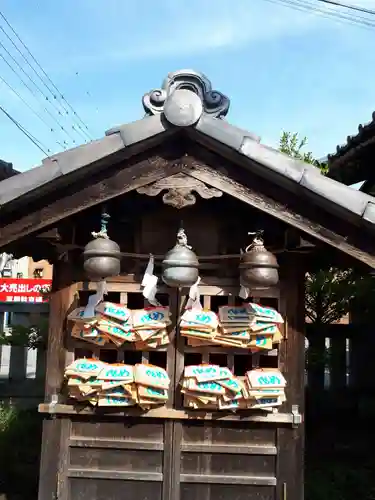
[{"x": 184, "y": 96}]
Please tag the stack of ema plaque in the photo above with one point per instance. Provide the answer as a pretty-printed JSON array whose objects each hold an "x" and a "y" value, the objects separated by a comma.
[
  {"x": 104, "y": 384},
  {"x": 116, "y": 324},
  {"x": 250, "y": 326},
  {"x": 211, "y": 387}
]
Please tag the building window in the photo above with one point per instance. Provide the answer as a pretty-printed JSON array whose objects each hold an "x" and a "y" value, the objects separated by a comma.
[
  {"x": 7, "y": 272},
  {"x": 38, "y": 273}
]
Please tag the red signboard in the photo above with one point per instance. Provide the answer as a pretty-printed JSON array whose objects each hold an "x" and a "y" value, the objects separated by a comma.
[{"x": 24, "y": 290}]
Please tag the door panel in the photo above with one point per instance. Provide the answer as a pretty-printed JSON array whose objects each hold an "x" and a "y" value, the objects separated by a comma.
[
  {"x": 113, "y": 489},
  {"x": 170, "y": 459},
  {"x": 129, "y": 457}
]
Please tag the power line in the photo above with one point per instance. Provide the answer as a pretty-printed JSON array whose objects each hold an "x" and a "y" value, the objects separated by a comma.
[
  {"x": 37, "y": 98},
  {"x": 362, "y": 21},
  {"x": 66, "y": 111},
  {"x": 29, "y": 77},
  {"x": 349, "y": 6},
  {"x": 331, "y": 13},
  {"x": 43, "y": 71},
  {"x": 33, "y": 139},
  {"x": 35, "y": 84},
  {"x": 31, "y": 109}
]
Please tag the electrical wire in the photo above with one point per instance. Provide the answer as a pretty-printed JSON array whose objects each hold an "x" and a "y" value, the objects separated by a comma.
[
  {"x": 328, "y": 13},
  {"x": 35, "y": 84},
  {"x": 53, "y": 94},
  {"x": 37, "y": 99},
  {"x": 356, "y": 8},
  {"x": 43, "y": 71},
  {"x": 41, "y": 118},
  {"x": 32, "y": 138}
]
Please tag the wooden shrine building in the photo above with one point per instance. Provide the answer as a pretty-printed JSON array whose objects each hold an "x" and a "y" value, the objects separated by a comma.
[
  {"x": 183, "y": 163},
  {"x": 352, "y": 162}
]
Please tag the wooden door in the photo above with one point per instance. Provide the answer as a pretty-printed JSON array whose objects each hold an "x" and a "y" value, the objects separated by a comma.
[
  {"x": 107, "y": 455},
  {"x": 236, "y": 457},
  {"x": 172, "y": 454}
]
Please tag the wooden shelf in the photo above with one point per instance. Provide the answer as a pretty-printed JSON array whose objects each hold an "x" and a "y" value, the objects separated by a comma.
[
  {"x": 215, "y": 349},
  {"x": 81, "y": 344},
  {"x": 208, "y": 286},
  {"x": 228, "y": 350},
  {"x": 167, "y": 413}
]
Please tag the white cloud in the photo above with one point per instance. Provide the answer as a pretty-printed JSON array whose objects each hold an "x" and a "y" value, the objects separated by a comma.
[
  {"x": 145, "y": 31},
  {"x": 97, "y": 36},
  {"x": 97, "y": 39},
  {"x": 179, "y": 28}
]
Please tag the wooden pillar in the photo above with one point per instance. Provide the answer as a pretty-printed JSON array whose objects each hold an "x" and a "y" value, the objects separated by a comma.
[
  {"x": 62, "y": 301},
  {"x": 292, "y": 364}
]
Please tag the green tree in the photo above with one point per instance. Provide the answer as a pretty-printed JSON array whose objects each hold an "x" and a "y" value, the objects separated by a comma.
[
  {"x": 329, "y": 293},
  {"x": 293, "y": 146},
  {"x": 32, "y": 336}
]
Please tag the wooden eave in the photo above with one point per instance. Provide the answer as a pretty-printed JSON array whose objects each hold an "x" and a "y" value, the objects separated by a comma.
[{"x": 210, "y": 150}]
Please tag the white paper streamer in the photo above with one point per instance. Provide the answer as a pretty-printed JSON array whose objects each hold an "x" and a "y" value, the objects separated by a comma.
[
  {"x": 194, "y": 301},
  {"x": 94, "y": 299},
  {"x": 149, "y": 283},
  {"x": 244, "y": 292}
]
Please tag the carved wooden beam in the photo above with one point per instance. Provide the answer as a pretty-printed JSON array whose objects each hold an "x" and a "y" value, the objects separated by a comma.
[
  {"x": 180, "y": 188},
  {"x": 115, "y": 184},
  {"x": 52, "y": 234},
  {"x": 360, "y": 250}
]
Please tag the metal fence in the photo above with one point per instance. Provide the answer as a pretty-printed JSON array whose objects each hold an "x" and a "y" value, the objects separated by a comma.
[
  {"x": 22, "y": 375},
  {"x": 340, "y": 370}
]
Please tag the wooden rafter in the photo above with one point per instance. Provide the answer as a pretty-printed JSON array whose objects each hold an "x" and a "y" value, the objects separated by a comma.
[
  {"x": 149, "y": 172},
  {"x": 265, "y": 204},
  {"x": 123, "y": 181}
]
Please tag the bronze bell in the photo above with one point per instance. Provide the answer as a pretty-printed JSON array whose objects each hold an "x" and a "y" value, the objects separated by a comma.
[
  {"x": 180, "y": 264},
  {"x": 102, "y": 256},
  {"x": 258, "y": 267}
]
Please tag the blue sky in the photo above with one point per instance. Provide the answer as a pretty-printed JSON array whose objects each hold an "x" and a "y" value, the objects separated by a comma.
[{"x": 282, "y": 69}]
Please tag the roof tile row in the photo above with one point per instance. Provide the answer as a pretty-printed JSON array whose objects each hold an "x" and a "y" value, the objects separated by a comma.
[{"x": 273, "y": 165}]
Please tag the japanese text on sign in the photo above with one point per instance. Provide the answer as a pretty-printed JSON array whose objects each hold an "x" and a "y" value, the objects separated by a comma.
[{"x": 24, "y": 290}]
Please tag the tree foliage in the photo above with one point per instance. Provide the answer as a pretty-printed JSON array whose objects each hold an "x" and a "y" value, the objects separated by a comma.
[
  {"x": 293, "y": 146},
  {"x": 329, "y": 293},
  {"x": 32, "y": 336}
]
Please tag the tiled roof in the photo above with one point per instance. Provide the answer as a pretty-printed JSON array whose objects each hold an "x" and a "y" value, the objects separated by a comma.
[
  {"x": 186, "y": 101},
  {"x": 6, "y": 170},
  {"x": 365, "y": 133}
]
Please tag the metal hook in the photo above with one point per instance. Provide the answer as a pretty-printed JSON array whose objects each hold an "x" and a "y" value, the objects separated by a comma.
[
  {"x": 258, "y": 235},
  {"x": 104, "y": 219},
  {"x": 257, "y": 240},
  {"x": 182, "y": 238}
]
